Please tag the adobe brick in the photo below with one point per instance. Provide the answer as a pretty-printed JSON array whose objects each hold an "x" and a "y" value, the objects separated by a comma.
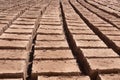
[
  {"x": 86, "y": 37},
  {"x": 55, "y": 66},
  {"x": 19, "y": 31},
  {"x": 13, "y": 44},
  {"x": 104, "y": 65},
  {"x": 12, "y": 67},
  {"x": 99, "y": 53},
  {"x": 50, "y": 37},
  {"x": 90, "y": 44},
  {"x": 13, "y": 54},
  {"x": 110, "y": 76},
  {"x": 53, "y": 54},
  {"x": 51, "y": 44},
  {"x": 63, "y": 78},
  {"x": 14, "y": 36}
]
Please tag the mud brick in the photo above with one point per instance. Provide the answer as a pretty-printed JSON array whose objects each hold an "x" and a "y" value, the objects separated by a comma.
[
  {"x": 51, "y": 44},
  {"x": 111, "y": 32},
  {"x": 55, "y": 66},
  {"x": 53, "y": 54},
  {"x": 104, "y": 65},
  {"x": 26, "y": 19},
  {"x": 110, "y": 76},
  {"x": 24, "y": 22},
  {"x": 99, "y": 53},
  {"x": 12, "y": 68},
  {"x": 81, "y": 32},
  {"x": 78, "y": 28},
  {"x": 50, "y": 23},
  {"x": 22, "y": 26},
  {"x": 13, "y": 44},
  {"x": 15, "y": 36},
  {"x": 105, "y": 25},
  {"x": 114, "y": 38},
  {"x": 117, "y": 43},
  {"x": 86, "y": 37},
  {"x": 88, "y": 44},
  {"x": 63, "y": 78},
  {"x": 49, "y": 20},
  {"x": 50, "y": 27},
  {"x": 13, "y": 54},
  {"x": 12, "y": 79},
  {"x": 50, "y": 37},
  {"x": 4, "y": 22},
  {"x": 19, "y": 31},
  {"x": 77, "y": 25},
  {"x": 48, "y": 31},
  {"x": 107, "y": 28}
]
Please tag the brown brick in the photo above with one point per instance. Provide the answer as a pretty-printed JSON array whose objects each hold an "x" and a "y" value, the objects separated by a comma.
[
  {"x": 50, "y": 37},
  {"x": 86, "y": 37},
  {"x": 13, "y": 44},
  {"x": 14, "y": 36},
  {"x": 88, "y": 44},
  {"x": 19, "y": 31},
  {"x": 12, "y": 68},
  {"x": 99, "y": 53},
  {"x": 47, "y": 31},
  {"x": 13, "y": 54},
  {"x": 12, "y": 79},
  {"x": 22, "y": 26},
  {"x": 81, "y": 32},
  {"x": 111, "y": 32},
  {"x": 64, "y": 78},
  {"x": 53, "y": 54},
  {"x": 110, "y": 76},
  {"x": 114, "y": 38},
  {"x": 55, "y": 66},
  {"x": 105, "y": 65},
  {"x": 51, "y": 44},
  {"x": 50, "y": 27}
]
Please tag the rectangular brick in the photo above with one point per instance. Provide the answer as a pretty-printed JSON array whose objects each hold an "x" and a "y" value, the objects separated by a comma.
[
  {"x": 55, "y": 66},
  {"x": 81, "y": 32},
  {"x": 13, "y": 54},
  {"x": 114, "y": 38},
  {"x": 50, "y": 23},
  {"x": 13, "y": 44},
  {"x": 19, "y": 31},
  {"x": 99, "y": 53},
  {"x": 63, "y": 78},
  {"x": 90, "y": 44},
  {"x": 15, "y": 36},
  {"x": 50, "y": 37},
  {"x": 110, "y": 76},
  {"x": 53, "y": 54},
  {"x": 12, "y": 68},
  {"x": 54, "y": 27},
  {"x": 111, "y": 32},
  {"x": 24, "y": 22},
  {"x": 48, "y": 31},
  {"x": 12, "y": 79},
  {"x": 78, "y": 28},
  {"x": 107, "y": 28},
  {"x": 51, "y": 44},
  {"x": 22, "y": 26},
  {"x": 105, "y": 65},
  {"x": 86, "y": 37}
]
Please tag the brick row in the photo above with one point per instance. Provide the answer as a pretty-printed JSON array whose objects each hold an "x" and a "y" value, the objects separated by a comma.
[
  {"x": 14, "y": 45},
  {"x": 52, "y": 53},
  {"x": 103, "y": 62}
]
